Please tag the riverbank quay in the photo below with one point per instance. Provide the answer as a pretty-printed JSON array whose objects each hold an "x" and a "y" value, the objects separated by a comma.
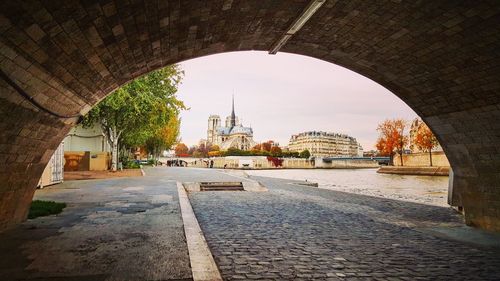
[
  {"x": 295, "y": 232},
  {"x": 131, "y": 229},
  {"x": 270, "y": 163},
  {"x": 416, "y": 171}
]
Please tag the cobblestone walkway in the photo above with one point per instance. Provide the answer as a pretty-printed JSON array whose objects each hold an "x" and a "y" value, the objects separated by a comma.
[{"x": 302, "y": 233}]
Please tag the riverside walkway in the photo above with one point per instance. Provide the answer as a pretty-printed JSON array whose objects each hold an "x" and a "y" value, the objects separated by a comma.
[
  {"x": 131, "y": 229},
  {"x": 296, "y": 232}
]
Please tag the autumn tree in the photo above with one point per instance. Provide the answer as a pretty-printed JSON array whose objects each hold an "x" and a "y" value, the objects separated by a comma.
[
  {"x": 266, "y": 146},
  {"x": 192, "y": 149},
  {"x": 164, "y": 137},
  {"x": 214, "y": 150},
  {"x": 135, "y": 111},
  {"x": 257, "y": 147},
  {"x": 276, "y": 151},
  {"x": 392, "y": 138},
  {"x": 201, "y": 150},
  {"x": 181, "y": 150},
  {"x": 425, "y": 140}
]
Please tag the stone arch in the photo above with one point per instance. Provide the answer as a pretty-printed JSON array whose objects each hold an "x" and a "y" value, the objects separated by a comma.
[{"x": 59, "y": 58}]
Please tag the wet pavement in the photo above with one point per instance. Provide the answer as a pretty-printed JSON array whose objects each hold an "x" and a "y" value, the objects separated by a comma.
[
  {"x": 114, "y": 229},
  {"x": 131, "y": 229}
]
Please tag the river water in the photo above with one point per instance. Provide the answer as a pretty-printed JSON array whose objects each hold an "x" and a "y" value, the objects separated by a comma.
[{"x": 431, "y": 190}]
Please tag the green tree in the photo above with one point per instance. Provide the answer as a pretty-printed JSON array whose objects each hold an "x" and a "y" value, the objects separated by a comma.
[
  {"x": 305, "y": 154},
  {"x": 135, "y": 111}
]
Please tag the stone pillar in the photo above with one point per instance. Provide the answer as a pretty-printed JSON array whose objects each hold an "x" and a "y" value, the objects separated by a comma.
[
  {"x": 26, "y": 157},
  {"x": 471, "y": 141}
]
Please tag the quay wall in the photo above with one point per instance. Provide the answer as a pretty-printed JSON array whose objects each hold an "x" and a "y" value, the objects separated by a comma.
[
  {"x": 422, "y": 160},
  {"x": 346, "y": 164},
  {"x": 416, "y": 171},
  {"x": 261, "y": 162}
]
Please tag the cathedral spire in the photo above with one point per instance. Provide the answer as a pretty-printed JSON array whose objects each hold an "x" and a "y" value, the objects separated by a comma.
[{"x": 233, "y": 116}]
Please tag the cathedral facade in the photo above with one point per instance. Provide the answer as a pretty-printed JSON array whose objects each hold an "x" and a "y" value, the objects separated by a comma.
[{"x": 232, "y": 135}]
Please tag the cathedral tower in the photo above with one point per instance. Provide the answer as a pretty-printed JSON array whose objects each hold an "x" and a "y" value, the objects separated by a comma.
[
  {"x": 213, "y": 125},
  {"x": 233, "y": 116}
]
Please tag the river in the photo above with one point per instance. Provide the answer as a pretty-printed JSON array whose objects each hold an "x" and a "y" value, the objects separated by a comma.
[{"x": 431, "y": 190}]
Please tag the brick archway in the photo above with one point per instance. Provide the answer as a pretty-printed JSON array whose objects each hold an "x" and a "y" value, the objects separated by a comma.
[{"x": 59, "y": 58}]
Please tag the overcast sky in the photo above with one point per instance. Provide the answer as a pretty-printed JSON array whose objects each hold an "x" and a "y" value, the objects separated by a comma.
[{"x": 282, "y": 95}]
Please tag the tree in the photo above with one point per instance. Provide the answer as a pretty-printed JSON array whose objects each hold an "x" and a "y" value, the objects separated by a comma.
[
  {"x": 200, "y": 150},
  {"x": 305, "y": 154},
  {"x": 276, "y": 151},
  {"x": 181, "y": 150},
  {"x": 164, "y": 137},
  {"x": 266, "y": 146},
  {"x": 214, "y": 153},
  {"x": 214, "y": 150},
  {"x": 392, "y": 138},
  {"x": 425, "y": 140},
  {"x": 290, "y": 154},
  {"x": 136, "y": 110},
  {"x": 192, "y": 150}
]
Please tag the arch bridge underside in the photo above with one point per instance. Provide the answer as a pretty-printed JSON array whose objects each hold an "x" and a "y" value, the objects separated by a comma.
[{"x": 59, "y": 58}]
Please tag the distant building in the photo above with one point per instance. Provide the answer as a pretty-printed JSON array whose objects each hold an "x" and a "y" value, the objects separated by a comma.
[
  {"x": 325, "y": 144},
  {"x": 232, "y": 135},
  {"x": 416, "y": 124}
]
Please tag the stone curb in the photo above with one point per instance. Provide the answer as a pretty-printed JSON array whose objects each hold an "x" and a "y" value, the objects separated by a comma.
[{"x": 203, "y": 265}]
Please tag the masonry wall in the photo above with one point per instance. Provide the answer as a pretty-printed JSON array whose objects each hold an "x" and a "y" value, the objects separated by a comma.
[
  {"x": 346, "y": 164},
  {"x": 440, "y": 57},
  {"x": 422, "y": 160}
]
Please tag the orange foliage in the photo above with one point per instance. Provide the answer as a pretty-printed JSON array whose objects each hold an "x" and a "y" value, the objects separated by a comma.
[
  {"x": 266, "y": 146},
  {"x": 425, "y": 139},
  {"x": 392, "y": 137},
  {"x": 181, "y": 149},
  {"x": 275, "y": 150},
  {"x": 214, "y": 153}
]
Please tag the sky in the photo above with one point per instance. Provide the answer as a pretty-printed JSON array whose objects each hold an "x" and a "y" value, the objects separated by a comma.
[{"x": 284, "y": 94}]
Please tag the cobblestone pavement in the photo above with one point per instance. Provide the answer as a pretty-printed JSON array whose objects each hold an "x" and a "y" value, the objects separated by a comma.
[{"x": 294, "y": 232}]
